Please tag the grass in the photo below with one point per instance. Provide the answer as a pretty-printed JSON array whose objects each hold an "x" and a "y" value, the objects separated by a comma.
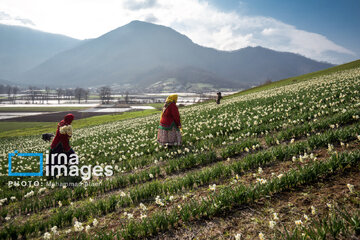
[
  {"x": 301, "y": 78},
  {"x": 157, "y": 106},
  {"x": 12, "y": 126},
  {"x": 17, "y": 129},
  {"x": 40, "y": 109}
]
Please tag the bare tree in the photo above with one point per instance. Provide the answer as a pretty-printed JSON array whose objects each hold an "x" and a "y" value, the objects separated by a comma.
[
  {"x": 15, "y": 91},
  {"x": 59, "y": 93},
  {"x": 9, "y": 91},
  {"x": 79, "y": 92},
  {"x": 127, "y": 97},
  {"x": 69, "y": 93},
  {"x": 86, "y": 94},
  {"x": 47, "y": 91},
  {"x": 105, "y": 94},
  {"x": 32, "y": 92},
  {"x": 268, "y": 81}
]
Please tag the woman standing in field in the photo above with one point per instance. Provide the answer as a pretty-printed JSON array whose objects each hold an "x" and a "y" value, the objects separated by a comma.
[
  {"x": 60, "y": 144},
  {"x": 170, "y": 124}
]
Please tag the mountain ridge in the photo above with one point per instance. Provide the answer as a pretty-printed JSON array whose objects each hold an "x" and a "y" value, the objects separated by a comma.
[
  {"x": 23, "y": 48},
  {"x": 128, "y": 54}
]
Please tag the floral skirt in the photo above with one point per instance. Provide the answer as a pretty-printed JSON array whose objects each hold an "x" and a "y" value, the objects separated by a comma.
[{"x": 169, "y": 137}]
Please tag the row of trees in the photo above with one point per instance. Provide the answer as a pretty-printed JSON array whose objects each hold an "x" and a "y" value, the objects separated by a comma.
[
  {"x": 10, "y": 91},
  {"x": 34, "y": 94}
]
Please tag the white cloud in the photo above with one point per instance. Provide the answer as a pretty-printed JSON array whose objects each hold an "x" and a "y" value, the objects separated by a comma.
[
  {"x": 6, "y": 18},
  {"x": 200, "y": 21}
]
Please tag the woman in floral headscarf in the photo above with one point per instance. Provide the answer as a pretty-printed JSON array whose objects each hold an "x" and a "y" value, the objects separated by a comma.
[{"x": 170, "y": 124}]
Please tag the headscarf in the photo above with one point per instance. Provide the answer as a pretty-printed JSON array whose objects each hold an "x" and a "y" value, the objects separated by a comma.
[
  {"x": 170, "y": 99},
  {"x": 67, "y": 119}
]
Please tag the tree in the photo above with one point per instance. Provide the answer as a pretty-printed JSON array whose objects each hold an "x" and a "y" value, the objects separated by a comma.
[
  {"x": 86, "y": 95},
  {"x": 69, "y": 93},
  {"x": 59, "y": 93},
  {"x": 268, "y": 81},
  {"x": 9, "y": 91},
  {"x": 32, "y": 92},
  {"x": 127, "y": 97},
  {"x": 47, "y": 91},
  {"x": 105, "y": 95},
  {"x": 79, "y": 92},
  {"x": 15, "y": 91}
]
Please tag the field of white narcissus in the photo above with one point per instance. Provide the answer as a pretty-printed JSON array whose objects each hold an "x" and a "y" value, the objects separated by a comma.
[{"x": 230, "y": 157}]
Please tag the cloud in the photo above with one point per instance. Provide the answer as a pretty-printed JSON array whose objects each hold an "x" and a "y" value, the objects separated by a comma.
[
  {"x": 205, "y": 24},
  {"x": 139, "y": 4},
  {"x": 151, "y": 18},
  {"x": 6, "y": 18}
]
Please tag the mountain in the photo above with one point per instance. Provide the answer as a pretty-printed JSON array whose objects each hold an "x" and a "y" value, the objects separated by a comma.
[
  {"x": 5, "y": 82},
  {"x": 148, "y": 57},
  {"x": 23, "y": 48}
]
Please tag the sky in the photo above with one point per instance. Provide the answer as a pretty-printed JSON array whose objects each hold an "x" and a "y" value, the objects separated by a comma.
[{"x": 324, "y": 30}]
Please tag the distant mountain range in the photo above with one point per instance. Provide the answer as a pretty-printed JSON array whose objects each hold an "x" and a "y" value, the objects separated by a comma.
[
  {"x": 146, "y": 57},
  {"x": 22, "y": 49}
]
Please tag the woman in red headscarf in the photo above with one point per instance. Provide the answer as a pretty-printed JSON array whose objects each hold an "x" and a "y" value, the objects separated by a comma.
[{"x": 60, "y": 144}]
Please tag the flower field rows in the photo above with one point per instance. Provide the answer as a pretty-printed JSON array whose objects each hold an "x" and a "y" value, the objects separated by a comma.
[{"x": 221, "y": 144}]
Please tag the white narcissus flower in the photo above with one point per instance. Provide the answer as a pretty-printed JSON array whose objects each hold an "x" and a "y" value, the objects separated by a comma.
[
  {"x": 158, "y": 201},
  {"x": 298, "y": 222},
  {"x": 47, "y": 236},
  {"x": 272, "y": 224},
  {"x": 261, "y": 236},
  {"x": 95, "y": 222},
  {"x": 275, "y": 216},
  {"x": 143, "y": 207},
  {"x": 54, "y": 229},
  {"x": 78, "y": 226},
  {"x": 238, "y": 236},
  {"x": 212, "y": 187},
  {"x": 313, "y": 210},
  {"x": 351, "y": 187},
  {"x": 261, "y": 181}
]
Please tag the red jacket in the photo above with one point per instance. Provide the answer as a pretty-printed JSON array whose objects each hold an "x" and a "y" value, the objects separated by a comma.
[
  {"x": 62, "y": 138},
  {"x": 170, "y": 117}
]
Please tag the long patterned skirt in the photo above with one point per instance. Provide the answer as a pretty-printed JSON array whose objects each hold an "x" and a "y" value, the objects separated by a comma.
[{"x": 169, "y": 137}]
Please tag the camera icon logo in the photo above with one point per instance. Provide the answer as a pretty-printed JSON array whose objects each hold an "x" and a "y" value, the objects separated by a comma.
[{"x": 27, "y": 174}]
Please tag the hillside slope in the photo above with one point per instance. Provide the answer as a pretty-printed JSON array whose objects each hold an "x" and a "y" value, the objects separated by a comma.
[{"x": 304, "y": 77}]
